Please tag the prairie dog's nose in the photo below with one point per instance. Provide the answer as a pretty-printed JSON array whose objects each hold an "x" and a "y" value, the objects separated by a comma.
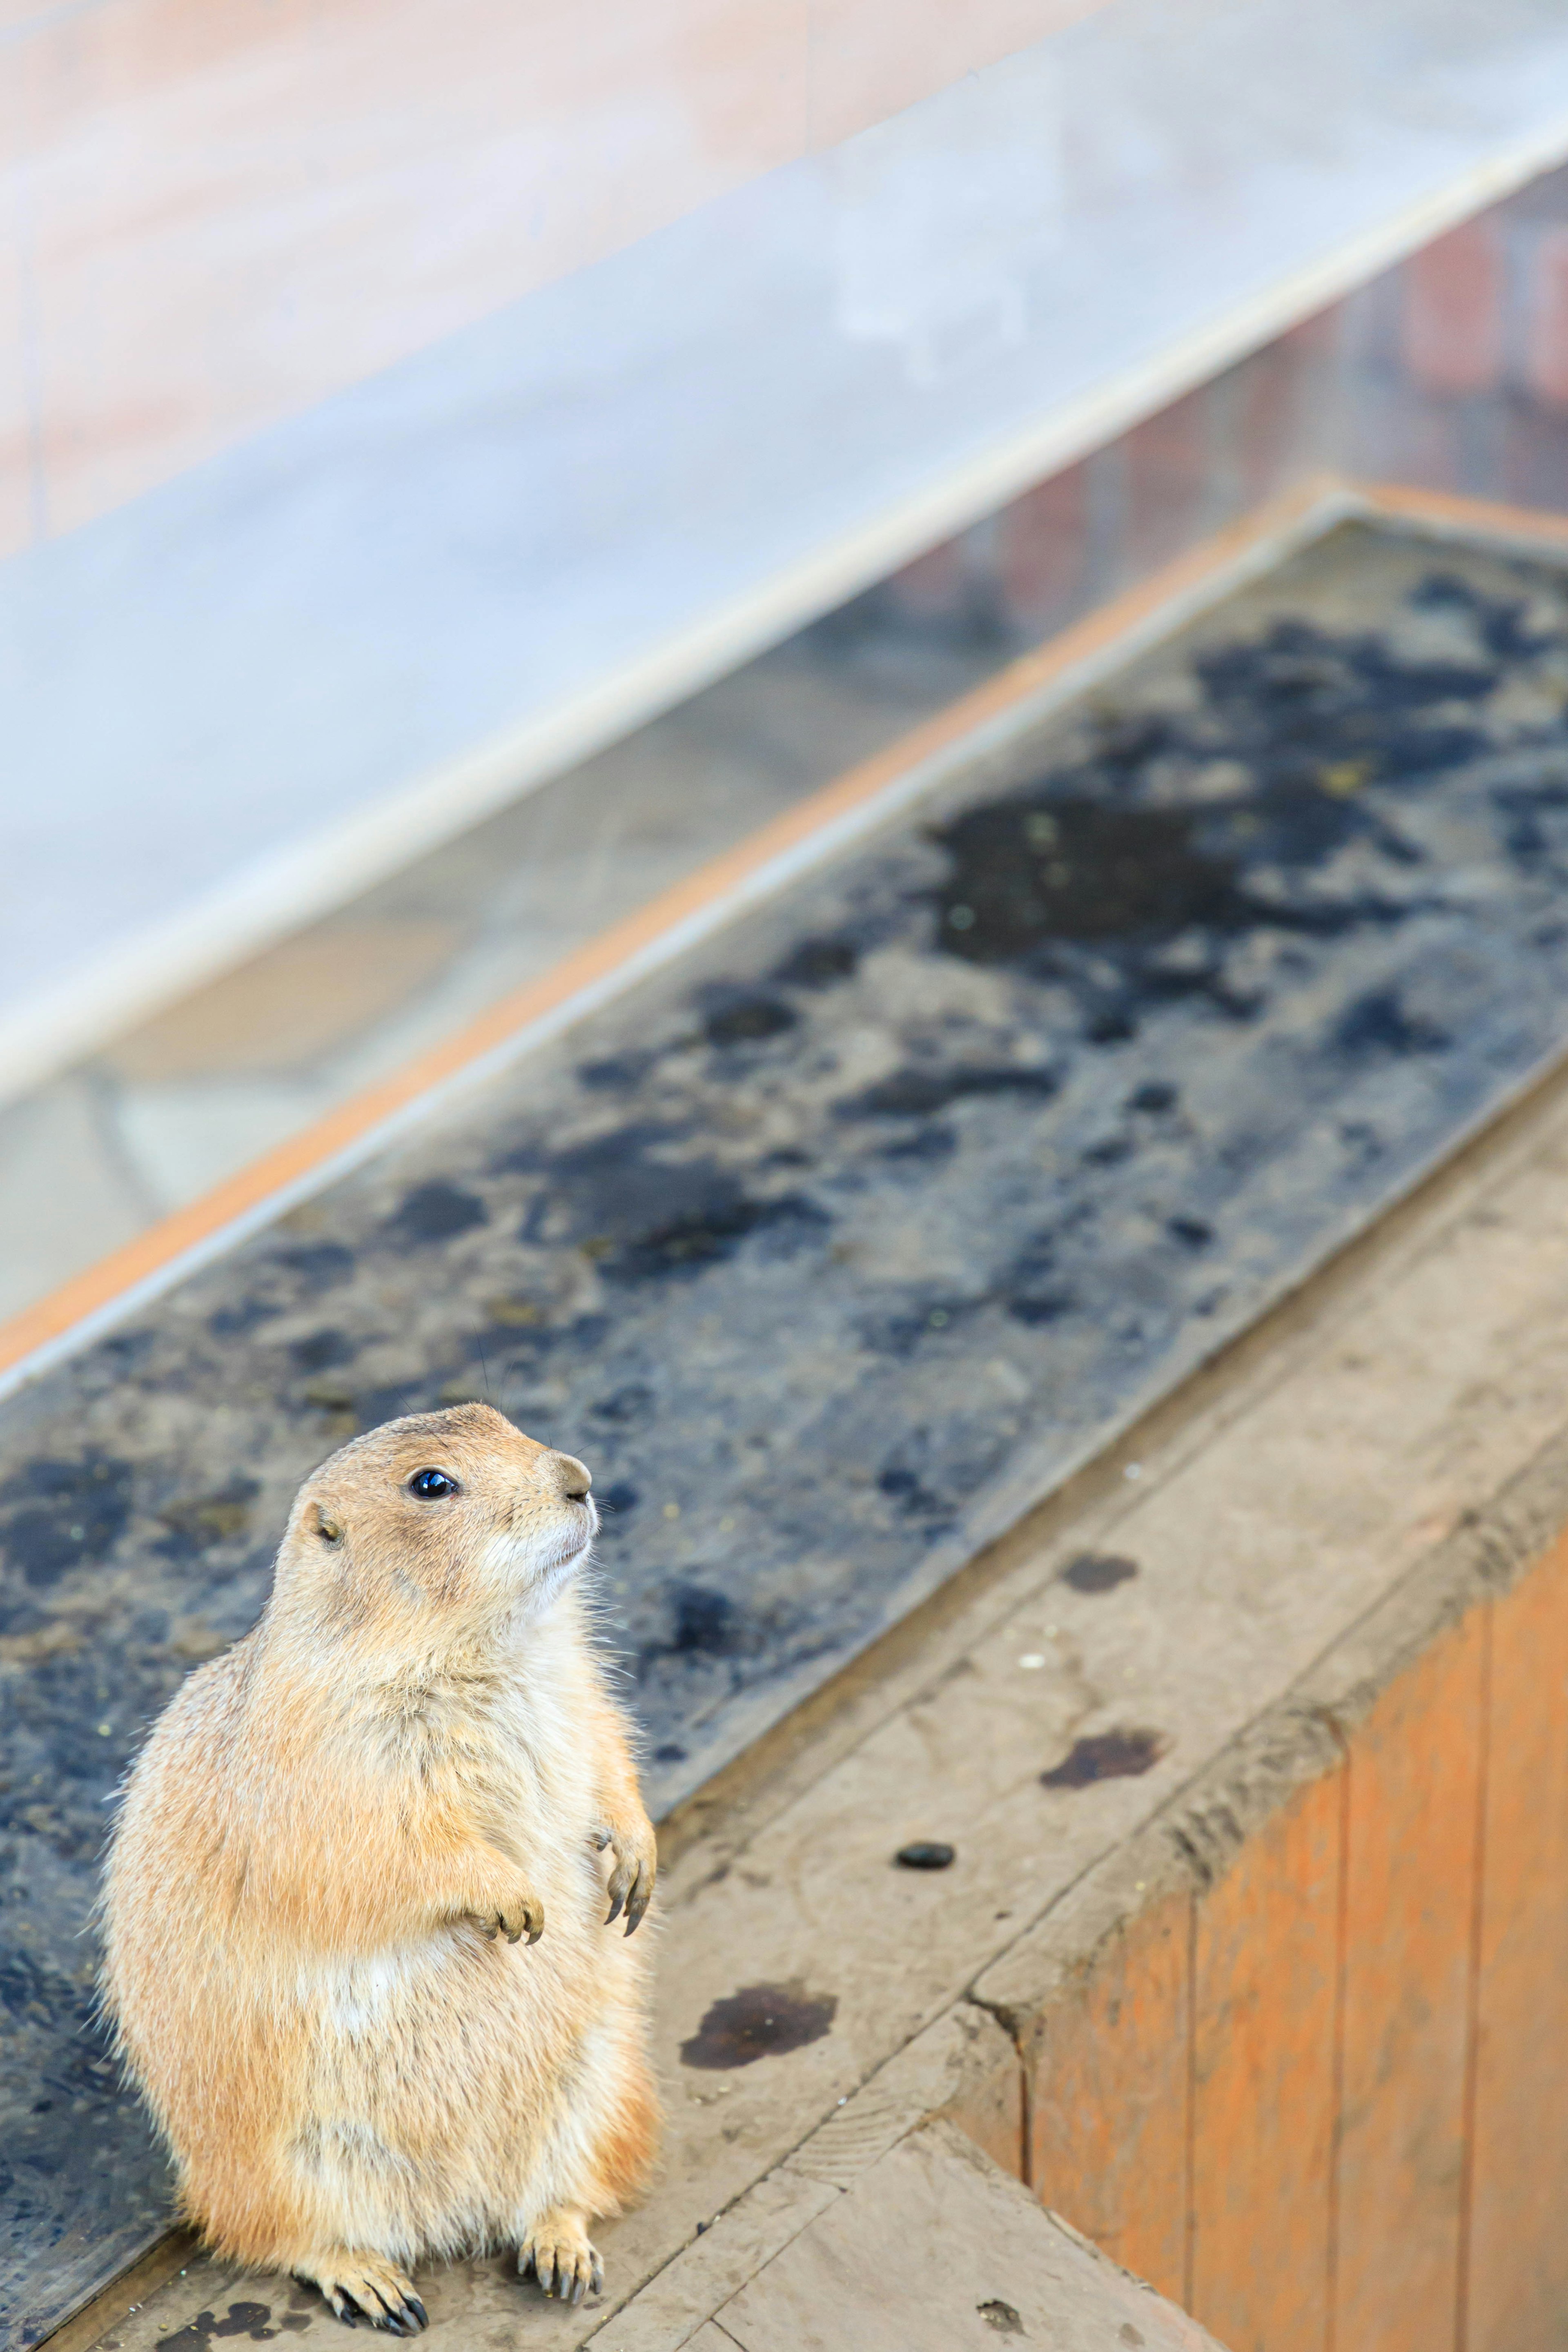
[{"x": 574, "y": 1478}]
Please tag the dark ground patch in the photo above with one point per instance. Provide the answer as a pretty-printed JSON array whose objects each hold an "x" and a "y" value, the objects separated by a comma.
[
  {"x": 1098, "y": 1571},
  {"x": 1105, "y": 1756},
  {"x": 759, "y": 2021}
]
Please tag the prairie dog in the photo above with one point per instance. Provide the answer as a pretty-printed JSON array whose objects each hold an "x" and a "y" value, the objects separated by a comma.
[{"x": 357, "y": 1901}]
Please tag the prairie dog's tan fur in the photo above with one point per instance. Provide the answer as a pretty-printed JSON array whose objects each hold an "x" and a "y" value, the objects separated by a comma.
[{"x": 329, "y": 1854}]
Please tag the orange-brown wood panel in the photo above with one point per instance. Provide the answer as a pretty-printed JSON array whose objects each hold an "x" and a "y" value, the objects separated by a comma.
[
  {"x": 1518, "y": 2286},
  {"x": 1411, "y": 1886},
  {"x": 1263, "y": 2083},
  {"x": 1110, "y": 2129}
]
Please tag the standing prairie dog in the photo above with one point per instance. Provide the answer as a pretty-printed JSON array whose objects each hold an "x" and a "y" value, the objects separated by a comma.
[{"x": 356, "y": 1907}]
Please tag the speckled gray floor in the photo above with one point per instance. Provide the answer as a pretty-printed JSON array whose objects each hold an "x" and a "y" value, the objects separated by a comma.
[{"x": 831, "y": 1253}]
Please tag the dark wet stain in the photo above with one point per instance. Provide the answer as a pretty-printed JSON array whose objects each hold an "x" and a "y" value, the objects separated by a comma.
[
  {"x": 640, "y": 1216},
  {"x": 929, "y": 1143},
  {"x": 702, "y": 1619},
  {"x": 616, "y": 1072},
  {"x": 198, "y": 1520},
  {"x": 308, "y": 2304},
  {"x": 234, "y": 1322},
  {"x": 1035, "y": 1292},
  {"x": 70, "y": 1512},
  {"x": 1095, "y": 853},
  {"x": 1001, "y": 2316},
  {"x": 1040, "y": 1307},
  {"x": 730, "y": 1217},
  {"x": 914, "y": 1498},
  {"x": 1498, "y": 620},
  {"x": 320, "y": 1265},
  {"x": 329, "y": 1395},
  {"x": 1106, "y": 1756},
  {"x": 437, "y": 1212},
  {"x": 817, "y": 963},
  {"x": 245, "y": 2319},
  {"x": 926, "y": 1853},
  {"x": 318, "y": 1352},
  {"x": 901, "y": 1334},
  {"x": 748, "y": 1021},
  {"x": 916, "y": 1093},
  {"x": 1098, "y": 1571},
  {"x": 1308, "y": 700},
  {"x": 1024, "y": 873},
  {"x": 633, "y": 1402},
  {"x": 282, "y": 1277},
  {"x": 1193, "y": 1232},
  {"x": 517, "y": 1313},
  {"x": 759, "y": 2021},
  {"x": 1110, "y": 1025},
  {"x": 28, "y": 1990},
  {"x": 1380, "y": 1023}
]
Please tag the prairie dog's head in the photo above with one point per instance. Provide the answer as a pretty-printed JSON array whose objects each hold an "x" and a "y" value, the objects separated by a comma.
[{"x": 442, "y": 1521}]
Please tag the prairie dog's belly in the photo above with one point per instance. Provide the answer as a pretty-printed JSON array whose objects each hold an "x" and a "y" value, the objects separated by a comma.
[
  {"x": 458, "y": 2011},
  {"x": 367, "y": 1997}
]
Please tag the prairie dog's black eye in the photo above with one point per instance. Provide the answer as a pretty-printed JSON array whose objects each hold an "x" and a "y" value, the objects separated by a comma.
[{"x": 431, "y": 1484}]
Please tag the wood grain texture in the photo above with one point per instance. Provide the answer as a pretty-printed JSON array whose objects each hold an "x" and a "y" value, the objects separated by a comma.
[
  {"x": 1263, "y": 2083},
  {"x": 1411, "y": 1888},
  {"x": 990, "y": 2111},
  {"x": 1517, "y": 2295},
  {"x": 1109, "y": 2124},
  {"x": 935, "y": 2250}
]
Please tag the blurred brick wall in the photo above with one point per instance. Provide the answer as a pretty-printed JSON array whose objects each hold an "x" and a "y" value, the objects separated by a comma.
[{"x": 1449, "y": 372}]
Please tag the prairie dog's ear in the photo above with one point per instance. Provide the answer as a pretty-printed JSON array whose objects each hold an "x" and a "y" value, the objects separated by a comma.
[{"x": 322, "y": 1522}]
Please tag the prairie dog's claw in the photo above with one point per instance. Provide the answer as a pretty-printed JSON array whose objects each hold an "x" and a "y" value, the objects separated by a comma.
[
  {"x": 631, "y": 1883},
  {"x": 525, "y": 1916},
  {"x": 558, "y": 2251},
  {"x": 632, "y": 1888},
  {"x": 363, "y": 2287}
]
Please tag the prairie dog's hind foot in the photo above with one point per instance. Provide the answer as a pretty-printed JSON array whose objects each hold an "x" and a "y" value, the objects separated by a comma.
[
  {"x": 558, "y": 2251},
  {"x": 363, "y": 2286}
]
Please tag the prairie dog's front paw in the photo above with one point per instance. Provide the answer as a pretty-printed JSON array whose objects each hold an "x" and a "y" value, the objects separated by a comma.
[
  {"x": 636, "y": 1867},
  {"x": 522, "y": 1915}
]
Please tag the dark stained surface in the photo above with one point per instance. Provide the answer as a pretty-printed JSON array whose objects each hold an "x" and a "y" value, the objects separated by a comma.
[
  {"x": 757, "y": 2022},
  {"x": 1105, "y": 1756},
  {"x": 831, "y": 1253}
]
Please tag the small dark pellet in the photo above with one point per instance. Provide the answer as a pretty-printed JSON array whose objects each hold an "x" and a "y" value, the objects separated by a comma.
[
  {"x": 1098, "y": 1571},
  {"x": 926, "y": 1853}
]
